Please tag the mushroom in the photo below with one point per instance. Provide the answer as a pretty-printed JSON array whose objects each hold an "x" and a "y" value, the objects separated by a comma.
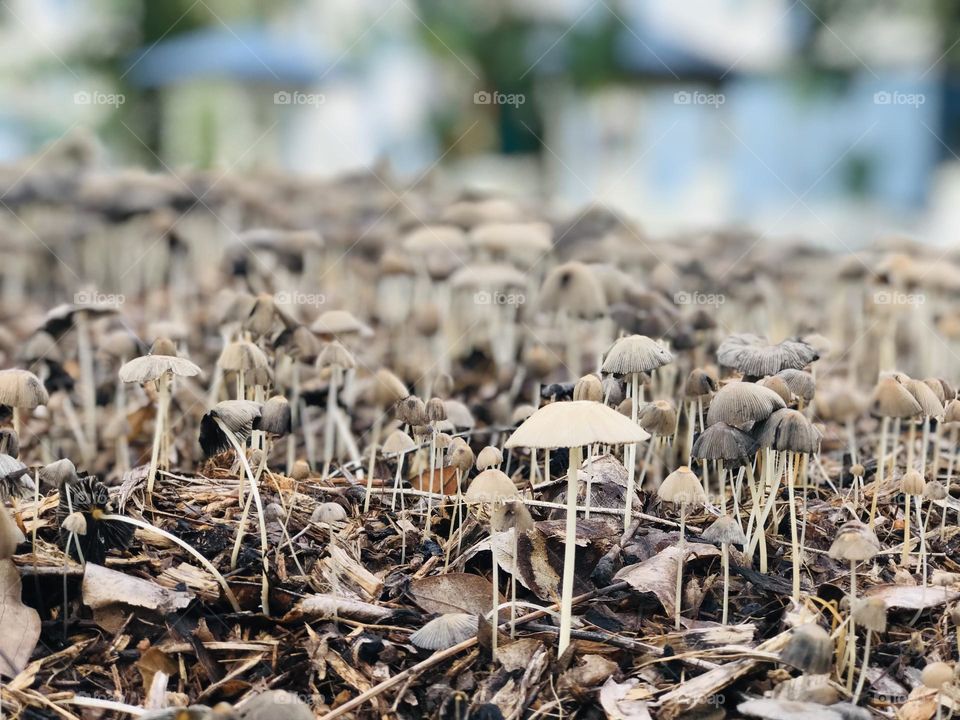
[
  {"x": 890, "y": 399},
  {"x": 397, "y": 445},
  {"x": 631, "y": 357},
  {"x": 756, "y": 358},
  {"x": 226, "y": 425},
  {"x": 21, "y": 390},
  {"x": 855, "y": 542},
  {"x": 492, "y": 487},
  {"x": 445, "y": 631},
  {"x": 572, "y": 425},
  {"x": 809, "y": 648},
  {"x": 725, "y": 531},
  {"x": 681, "y": 487},
  {"x": 388, "y": 390},
  {"x": 571, "y": 291},
  {"x": 335, "y": 358},
  {"x": 871, "y": 614},
  {"x": 160, "y": 366},
  {"x": 791, "y": 435}
]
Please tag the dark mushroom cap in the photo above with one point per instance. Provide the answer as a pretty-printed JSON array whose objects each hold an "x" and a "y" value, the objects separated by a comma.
[
  {"x": 788, "y": 430},
  {"x": 742, "y": 403},
  {"x": 755, "y": 357},
  {"x": 724, "y": 442}
]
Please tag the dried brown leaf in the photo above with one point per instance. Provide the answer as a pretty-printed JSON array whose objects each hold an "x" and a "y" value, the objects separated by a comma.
[
  {"x": 19, "y": 624},
  {"x": 454, "y": 593}
]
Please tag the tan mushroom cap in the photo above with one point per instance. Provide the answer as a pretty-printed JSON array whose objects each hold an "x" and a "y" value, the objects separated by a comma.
[
  {"x": 682, "y": 487},
  {"x": 397, "y": 443},
  {"x": 489, "y": 457},
  {"x": 588, "y": 387},
  {"x": 340, "y": 322},
  {"x": 22, "y": 389},
  {"x": 574, "y": 289},
  {"x": 575, "y": 424},
  {"x": 243, "y": 355},
  {"x": 335, "y": 354},
  {"x": 491, "y": 486},
  {"x": 891, "y": 399},
  {"x": 855, "y": 541}
]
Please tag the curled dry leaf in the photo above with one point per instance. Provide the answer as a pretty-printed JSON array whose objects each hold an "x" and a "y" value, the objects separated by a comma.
[
  {"x": 912, "y": 597},
  {"x": 19, "y": 624},
  {"x": 103, "y": 587},
  {"x": 454, "y": 593},
  {"x": 326, "y": 607},
  {"x": 658, "y": 575}
]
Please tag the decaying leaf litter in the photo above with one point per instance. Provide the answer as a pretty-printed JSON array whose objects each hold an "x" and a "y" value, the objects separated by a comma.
[{"x": 291, "y": 464}]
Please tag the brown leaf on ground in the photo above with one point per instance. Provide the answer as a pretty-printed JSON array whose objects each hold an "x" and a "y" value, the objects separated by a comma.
[
  {"x": 19, "y": 624},
  {"x": 454, "y": 593}
]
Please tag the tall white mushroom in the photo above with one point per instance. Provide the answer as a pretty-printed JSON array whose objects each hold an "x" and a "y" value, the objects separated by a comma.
[
  {"x": 160, "y": 366},
  {"x": 572, "y": 425}
]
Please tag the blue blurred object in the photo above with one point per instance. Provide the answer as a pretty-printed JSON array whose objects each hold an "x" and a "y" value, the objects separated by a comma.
[
  {"x": 647, "y": 52},
  {"x": 247, "y": 53}
]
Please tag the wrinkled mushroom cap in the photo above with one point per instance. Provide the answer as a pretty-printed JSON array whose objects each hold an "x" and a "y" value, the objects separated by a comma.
[
  {"x": 161, "y": 360},
  {"x": 741, "y": 403},
  {"x": 588, "y": 387},
  {"x": 724, "y": 442},
  {"x": 755, "y": 357},
  {"x": 635, "y": 354},
  {"x": 912, "y": 482}
]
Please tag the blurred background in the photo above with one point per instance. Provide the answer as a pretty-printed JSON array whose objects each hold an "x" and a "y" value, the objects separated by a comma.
[{"x": 835, "y": 120}]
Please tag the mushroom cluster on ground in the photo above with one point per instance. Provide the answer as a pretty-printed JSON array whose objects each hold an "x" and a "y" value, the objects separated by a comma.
[{"x": 302, "y": 450}]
